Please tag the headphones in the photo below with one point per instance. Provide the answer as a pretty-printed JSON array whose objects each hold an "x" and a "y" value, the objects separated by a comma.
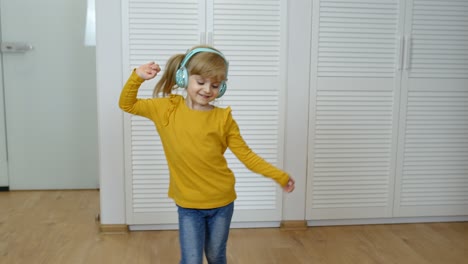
[{"x": 181, "y": 77}]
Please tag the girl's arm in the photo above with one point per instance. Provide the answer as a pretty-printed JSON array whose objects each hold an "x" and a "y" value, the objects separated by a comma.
[
  {"x": 254, "y": 162},
  {"x": 128, "y": 97}
]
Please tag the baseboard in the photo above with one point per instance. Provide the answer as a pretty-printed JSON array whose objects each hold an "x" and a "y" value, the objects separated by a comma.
[
  {"x": 113, "y": 229},
  {"x": 4, "y": 188},
  {"x": 293, "y": 225},
  {"x": 394, "y": 220}
]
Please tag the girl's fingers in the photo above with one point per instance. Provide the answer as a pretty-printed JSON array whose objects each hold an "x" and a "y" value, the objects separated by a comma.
[
  {"x": 149, "y": 70},
  {"x": 156, "y": 67}
]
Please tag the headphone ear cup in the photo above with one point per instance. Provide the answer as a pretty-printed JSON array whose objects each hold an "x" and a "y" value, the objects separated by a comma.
[
  {"x": 181, "y": 77},
  {"x": 222, "y": 89}
]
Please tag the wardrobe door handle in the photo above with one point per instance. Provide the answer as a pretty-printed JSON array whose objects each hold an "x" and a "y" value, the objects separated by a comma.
[
  {"x": 408, "y": 44},
  {"x": 399, "y": 61},
  {"x": 15, "y": 47}
]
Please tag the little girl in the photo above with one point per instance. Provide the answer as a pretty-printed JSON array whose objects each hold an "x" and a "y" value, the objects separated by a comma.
[{"x": 195, "y": 134}]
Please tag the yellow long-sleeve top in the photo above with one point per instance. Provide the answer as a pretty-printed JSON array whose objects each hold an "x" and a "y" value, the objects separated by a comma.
[{"x": 194, "y": 144}]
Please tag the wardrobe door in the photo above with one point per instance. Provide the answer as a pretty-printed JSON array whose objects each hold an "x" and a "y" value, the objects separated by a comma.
[
  {"x": 432, "y": 178},
  {"x": 153, "y": 31},
  {"x": 252, "y": 36},
  {"x": 354, "y": 102}
]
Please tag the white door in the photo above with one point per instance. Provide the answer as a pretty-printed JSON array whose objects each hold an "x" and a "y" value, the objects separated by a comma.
[
  {"x": 49, "y": 96},
  {"x": 355, "y": 73},
  {"x": 432, "y": 178}
]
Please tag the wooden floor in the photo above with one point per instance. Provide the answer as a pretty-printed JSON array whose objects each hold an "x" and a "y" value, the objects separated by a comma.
[{"x": 59, "y": 227}]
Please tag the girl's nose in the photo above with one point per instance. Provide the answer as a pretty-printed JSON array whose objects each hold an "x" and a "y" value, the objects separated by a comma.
[{"x": 206, "y": 88}]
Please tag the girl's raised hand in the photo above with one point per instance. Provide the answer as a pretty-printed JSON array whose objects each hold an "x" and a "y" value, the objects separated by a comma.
[{"x": 148, "y": 71}]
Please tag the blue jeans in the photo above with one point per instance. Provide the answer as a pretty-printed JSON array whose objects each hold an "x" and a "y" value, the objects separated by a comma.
[{"x": 204, "y": 229}]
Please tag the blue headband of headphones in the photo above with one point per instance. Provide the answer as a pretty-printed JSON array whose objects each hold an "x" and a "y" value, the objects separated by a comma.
[{"x": 182, "y": 75}]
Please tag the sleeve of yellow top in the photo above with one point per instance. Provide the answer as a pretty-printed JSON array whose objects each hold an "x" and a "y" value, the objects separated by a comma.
[
  {"x": 249, "y": 158},
  {"x": 128, "y": 97}
]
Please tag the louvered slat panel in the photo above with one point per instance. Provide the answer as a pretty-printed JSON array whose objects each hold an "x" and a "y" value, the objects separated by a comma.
[
  {"x": 156, "y": 30},
  {"x": 439, "y": 39},
  {"x": 352, "y": 149},
  {"x": 249, "y": 33},
  {"x": 257, "y": 116},
  {"x": 357, "y": 38},
  {"x": 435, "y": 165}
]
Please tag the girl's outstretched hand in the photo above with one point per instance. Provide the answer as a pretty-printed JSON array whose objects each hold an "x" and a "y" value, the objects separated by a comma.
[
  {"x": 148, "y": 71},
  {"x": 290, "y": 186}
]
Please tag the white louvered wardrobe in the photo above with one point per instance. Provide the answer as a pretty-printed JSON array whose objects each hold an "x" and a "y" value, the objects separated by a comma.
[
  {"x": 388, "y": 134},
  {"x": 388, "y": 109},
  {"x": 251, "y": 34}
]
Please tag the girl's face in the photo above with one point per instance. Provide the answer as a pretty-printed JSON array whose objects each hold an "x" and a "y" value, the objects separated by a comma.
[{"x": 200, "y": 92}]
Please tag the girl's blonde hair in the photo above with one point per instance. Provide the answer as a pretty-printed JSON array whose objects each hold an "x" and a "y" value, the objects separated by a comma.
[{"x": 206, "y": 64}]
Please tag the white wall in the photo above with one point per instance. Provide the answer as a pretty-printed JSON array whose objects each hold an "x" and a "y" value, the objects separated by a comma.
[
  {"x": 110, "y": 117},
  {"x": 110, "y": 81},
  {"x": 295, "y": 158}
]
